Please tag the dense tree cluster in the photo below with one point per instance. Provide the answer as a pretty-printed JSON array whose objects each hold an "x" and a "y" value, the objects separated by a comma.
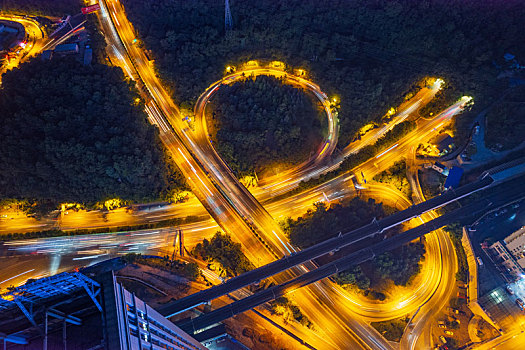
[
  {"x": 322, "y": 222},
  {"x": 223, "y": 250},
  {"x": 506, "y": 121},
  {"x": 400, "y": 264},
  {"x": 392, "y": 329},
  {"x": 263, "y": 121},
  {"x": 73, "y": 133},
  {"x": 367, "y": 52},
  {"x": 284, "y": 307},
  {"x": 354, "y": 276},
  {"x": 396, "y": 175},
  {"x": 41, "y": 7},
  {"x": 455, "y": 232}
]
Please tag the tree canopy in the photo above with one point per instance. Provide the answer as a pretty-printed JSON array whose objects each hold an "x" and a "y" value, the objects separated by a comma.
[
  {"x": 42, "y": 7},
  {"x": 263, "y": 121},
  {"x": 324, "y": 222},
  {"x": 368, "y": 52},
  {"x": 506, "y": 121},
  {"x": 75, "y": 133},
  {"x": 396, "y": 175},
  {"x": 226, "y": 252}
]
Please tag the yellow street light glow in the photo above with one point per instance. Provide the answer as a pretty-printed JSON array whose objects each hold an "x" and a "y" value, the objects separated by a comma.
[
  {"x": 277, "y": 64},
  {"x": 113, "y": 203}
]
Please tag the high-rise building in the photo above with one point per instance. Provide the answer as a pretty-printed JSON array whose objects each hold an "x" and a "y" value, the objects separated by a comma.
[
  {"x": 511, "y": 252},
  {"x": 138, "y": 326}
]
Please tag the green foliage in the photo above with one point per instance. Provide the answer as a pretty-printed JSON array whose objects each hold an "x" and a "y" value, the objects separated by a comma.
[
  {"x": 353, "y": 276},
  {"x": 506, "y": 121},
  {"x": 355, "y": 159},
  {"x": 322, "y": 223},
  {"x": 455, "y": 231},
  {"x": 130, "y": 258},
  {"x": 383, "y": 143},
  {"x": 223, "y": 250},
  {"x": 370, "y": 53},
  {"x": 375, "y": 295},
  {"x": 392, "y": 329},
  {"x": 72, "y": 133},
  {"x": 96, "y": 40},
  {"x": 443, "y": 99},
  {"x": 401, "y": 264},
  {"x": 189, "y": 270},
  {"x": 263, "y": 121},
  {"x": 41, "y": 7},
  {"x": 283, "y": 305},
  {"x": 397, "y": 176}
]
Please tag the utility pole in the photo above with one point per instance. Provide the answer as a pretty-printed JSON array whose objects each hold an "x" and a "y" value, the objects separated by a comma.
[
  {"x": 228, "y": 22},
  {"x": 181, "y": 242},
  {"x": 175, "y": 237},
  {"x": 178, "y": 238}
]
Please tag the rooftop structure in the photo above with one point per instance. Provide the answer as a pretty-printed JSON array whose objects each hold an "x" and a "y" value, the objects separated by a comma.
[
  {"x": 38, "y": 308},
  {"x": 443, "y": 142},
  {"x": 139, "y": 326},
  {"x": 88, "y": 56},
  {"x": 511, "y": 252},
  {"x": 454, "y": 176},
  {"x": 4, "y": 28},
  {"x": 440, "y": 168},
  {"x": 67, "y": 48},
  {"x": 87, "y": 314}
]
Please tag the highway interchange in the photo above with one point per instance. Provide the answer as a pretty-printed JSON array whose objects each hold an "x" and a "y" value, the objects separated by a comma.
[{"x": 249, "y": 216}]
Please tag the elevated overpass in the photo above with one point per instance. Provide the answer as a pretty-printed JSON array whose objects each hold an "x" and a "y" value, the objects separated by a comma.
[
  {"x": 330, "y": 245},
  {"x": 508, "y": 193}
]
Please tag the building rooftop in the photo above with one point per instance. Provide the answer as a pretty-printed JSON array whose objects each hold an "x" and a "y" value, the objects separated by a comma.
[
  {"x": 454, "y": 176},
  {"x": 443, "y": 142},
  {"x": 64, "y": 48},
  {"x": 515, "y": 235}
]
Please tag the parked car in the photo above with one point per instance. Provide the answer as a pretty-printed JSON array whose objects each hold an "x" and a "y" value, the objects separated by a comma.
[{"x": 480, "y": 262}]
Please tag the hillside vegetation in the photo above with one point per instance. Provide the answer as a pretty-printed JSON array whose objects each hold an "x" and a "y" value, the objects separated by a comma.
[
  {"x": 367, "y": 52},
  {"x": 74, "y": 133}
]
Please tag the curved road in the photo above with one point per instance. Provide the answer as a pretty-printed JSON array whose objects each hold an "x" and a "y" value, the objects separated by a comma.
[{"x": 221, "y": 193}]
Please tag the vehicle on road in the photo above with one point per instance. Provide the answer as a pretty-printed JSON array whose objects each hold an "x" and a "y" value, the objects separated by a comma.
[
  {"x": 480, "y": 262},
  {"x": 519, "y": 302},
  {"x": 443, "y": 339},
  {"x": 509, "y": 290},
  {"x": 449, "y": 333}
]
